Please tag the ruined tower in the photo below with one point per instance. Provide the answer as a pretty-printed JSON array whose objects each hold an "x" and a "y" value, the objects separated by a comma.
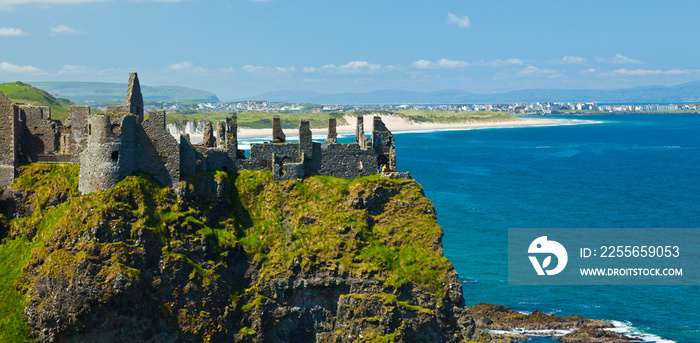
[
  {"x": 332, "y": 134},
  {"x": 360, "y": 137},
  {"x": 306, "y": 148},
  {"x": 232, "y": 136},
  {"x": 221, "y": 134},
  {"x": 208, "y": 139},
  {"x": 277, "y": 133},
  {"x": 110, "y": 154},
  {"x": 383, "y": 144},
  {"x": 134, "y": 99}
]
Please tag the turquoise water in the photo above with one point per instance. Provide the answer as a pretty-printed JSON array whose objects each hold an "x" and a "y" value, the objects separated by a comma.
[{"x": 601, "y": 171}]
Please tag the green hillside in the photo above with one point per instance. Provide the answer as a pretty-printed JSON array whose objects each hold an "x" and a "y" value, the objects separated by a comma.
[
  {"x": 105, "y": 92},
  {"x": 21, "y": 92}
]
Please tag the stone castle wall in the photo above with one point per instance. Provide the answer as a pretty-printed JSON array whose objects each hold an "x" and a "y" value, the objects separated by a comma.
[
  {"x": 347, "y": 161},
  {"x": 158, "y": 151},
  {"x": 112, "y": 146},
  {"x": 76, "y": 137},
  {"x": 383, "y": 144},
  {"x": 40, "y": 134},
  {"x": 9, "y": 154}
]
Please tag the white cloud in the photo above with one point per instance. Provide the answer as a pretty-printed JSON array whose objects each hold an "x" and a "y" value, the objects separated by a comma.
[
  {"x": 11, "y": 68},
  {"x": 187, "y": 66},
  {"x": 534, "y": 71},
  {"x": 355, "y": 66},
  {"x": 573, "y": 59},
  {"x": 251, "y": 68},
  {"x": 181, "y": 66},
  {"x": 462, "y": 22},
  {"x": 619, "y": 59},
  {"x": 647, "y": 72},
  {"x": 503, "y": 63},
  {"x": 11, "y": 31},
  {"x": 350, "y": 67},
  {"x": 63, "y": 29},
  {"x": 442, "y": 63},
  {"x": 254, "y": 69}
]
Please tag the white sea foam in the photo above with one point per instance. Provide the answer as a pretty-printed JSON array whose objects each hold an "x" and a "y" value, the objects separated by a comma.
[
  {"x": 627, "y": 329},
  {"x": 541, "y": 333}
]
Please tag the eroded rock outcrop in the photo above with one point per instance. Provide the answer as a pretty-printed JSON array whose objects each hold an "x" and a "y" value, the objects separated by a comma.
[{"x": 235, "y": 258}]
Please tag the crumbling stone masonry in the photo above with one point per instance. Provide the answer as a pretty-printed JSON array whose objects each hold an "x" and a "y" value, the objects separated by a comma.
[
  {"x": 40, "y": 134},
  {"x": 332, "y": 134},
  {"x": 208, "y": 139},
  {"x": 134, "y": 99},
  {"x": 119, "y": 143},
  {"x": 360, "y": 137},
  {"x": 277, "y": 133},
  {"x": 29, "y": 135},
  {"x": 9, "y": 137}
]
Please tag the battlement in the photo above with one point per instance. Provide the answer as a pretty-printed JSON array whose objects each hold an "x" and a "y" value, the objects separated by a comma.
[{"x": 119, "y": 143}]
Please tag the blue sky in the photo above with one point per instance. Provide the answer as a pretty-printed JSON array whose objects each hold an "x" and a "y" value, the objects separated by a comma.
[{"x": 242, "y": 48}]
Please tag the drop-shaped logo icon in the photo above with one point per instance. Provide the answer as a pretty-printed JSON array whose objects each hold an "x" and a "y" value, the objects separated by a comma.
[{"x": 542, "y": 246}]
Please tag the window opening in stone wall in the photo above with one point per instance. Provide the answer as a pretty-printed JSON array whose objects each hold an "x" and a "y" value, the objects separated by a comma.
[
  {"x": 115, "y": 129},
  {"x": 164, "y": 158},
  {"x": 89, "y": 129},
  {"x": 115, "y": 156}
]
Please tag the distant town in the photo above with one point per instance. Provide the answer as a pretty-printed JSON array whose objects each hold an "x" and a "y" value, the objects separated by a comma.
[{"x": 537, "y": 108}]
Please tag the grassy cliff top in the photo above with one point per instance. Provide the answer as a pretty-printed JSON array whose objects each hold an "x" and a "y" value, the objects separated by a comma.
[
  {"x": 21, "y": 92},
  {"x": 369, "y": 228}
]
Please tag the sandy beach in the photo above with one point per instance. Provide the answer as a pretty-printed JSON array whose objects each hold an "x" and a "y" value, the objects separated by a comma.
[
  {"x": 393, "y": 123},
  {"x": 396, "y": 124}
]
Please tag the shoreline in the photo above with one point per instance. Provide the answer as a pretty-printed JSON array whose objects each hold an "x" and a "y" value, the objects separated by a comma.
[{"x": 398, "y": 125}]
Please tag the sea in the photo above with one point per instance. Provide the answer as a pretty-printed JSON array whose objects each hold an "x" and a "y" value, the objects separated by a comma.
[{"x": 594, "y": 171}]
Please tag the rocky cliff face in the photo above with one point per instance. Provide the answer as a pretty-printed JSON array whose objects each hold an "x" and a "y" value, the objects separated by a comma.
[{"x": 232, "y": 257}]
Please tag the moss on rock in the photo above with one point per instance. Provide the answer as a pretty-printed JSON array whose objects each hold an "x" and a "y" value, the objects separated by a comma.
[{"x": 249, "y": 259}]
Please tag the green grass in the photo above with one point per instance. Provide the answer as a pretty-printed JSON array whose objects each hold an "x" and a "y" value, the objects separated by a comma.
[
  {"x": 19, "y": 92},
  {"x": 14, "y": 255},
  {"x": 442, "y": 116},
  {"x": 399, "y": 244},
  {"x": 11, "y": 87},
  {"x": 287, "y": 229},
  {"x": 257, "y": 120}
]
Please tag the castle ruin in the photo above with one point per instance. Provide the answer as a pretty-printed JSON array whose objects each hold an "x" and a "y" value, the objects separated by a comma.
[{"x": 119, "y": 143}]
